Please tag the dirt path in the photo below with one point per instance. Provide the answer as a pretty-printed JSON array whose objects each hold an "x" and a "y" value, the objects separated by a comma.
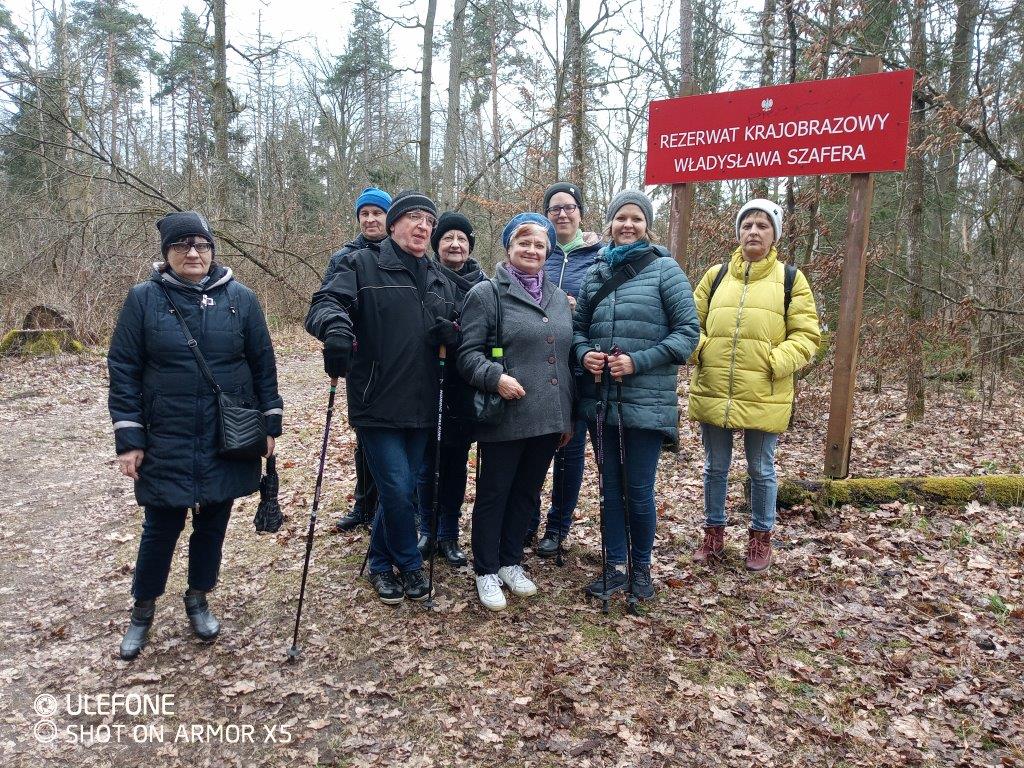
[{"x": 881, "y": 636}]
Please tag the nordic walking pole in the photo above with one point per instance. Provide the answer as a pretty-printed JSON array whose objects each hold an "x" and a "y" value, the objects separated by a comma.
[
  {"x": 630, "y": 597},
  {"x": 293, "y": 652},
  {"x": 559, "y": 561},
  {"x": 602, "y": 407},
  {"x": 442, "y": 353}
]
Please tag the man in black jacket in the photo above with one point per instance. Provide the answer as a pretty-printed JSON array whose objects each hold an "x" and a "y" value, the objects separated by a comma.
[
  {"x": 371, "y": 212},
  {"x": 383, "y": 317}
]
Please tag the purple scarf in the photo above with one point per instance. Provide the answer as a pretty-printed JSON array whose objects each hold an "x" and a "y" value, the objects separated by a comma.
[{"x": 531, "y": 283}]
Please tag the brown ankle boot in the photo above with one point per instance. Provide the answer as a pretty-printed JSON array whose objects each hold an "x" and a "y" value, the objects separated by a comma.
[
  {"x": 712, "y": 549},
  {"x": 759, "y": 550}
]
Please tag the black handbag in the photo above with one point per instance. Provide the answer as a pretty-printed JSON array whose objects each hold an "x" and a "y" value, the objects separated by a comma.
[
  {"x": 488, "y": 408},
  {"x": 241, "y": 430}
]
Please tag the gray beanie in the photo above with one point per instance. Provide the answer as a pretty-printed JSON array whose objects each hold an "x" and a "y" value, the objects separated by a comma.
[{"x": 637, "y": 198}]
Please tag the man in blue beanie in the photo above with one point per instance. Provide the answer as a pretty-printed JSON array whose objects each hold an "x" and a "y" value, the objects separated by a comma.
[{"x": 371, "y": 211}]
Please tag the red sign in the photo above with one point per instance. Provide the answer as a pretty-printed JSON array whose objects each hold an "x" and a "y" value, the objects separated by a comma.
[{"x": 847, "y": 125}]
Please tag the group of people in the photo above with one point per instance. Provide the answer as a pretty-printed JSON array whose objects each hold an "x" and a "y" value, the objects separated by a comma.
[{"x": 576, "y": 333}]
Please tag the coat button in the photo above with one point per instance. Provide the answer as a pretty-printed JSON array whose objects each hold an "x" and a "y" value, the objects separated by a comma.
[
  {"x": 545, "y": 319},
  {"x": 551, "y": 339},
  {"x": 554, "y": 381},
  {"x": 551, "y": 359}
]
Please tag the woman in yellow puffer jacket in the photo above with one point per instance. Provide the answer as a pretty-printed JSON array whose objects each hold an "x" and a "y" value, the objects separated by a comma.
[{"x": 751, "y": 346}]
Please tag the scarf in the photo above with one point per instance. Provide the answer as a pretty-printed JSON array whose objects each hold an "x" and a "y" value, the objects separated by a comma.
[
  {"x": 531, "y": 283},
  {"x": 572, "y": 245},
  {"x": 620, "y": 254}
]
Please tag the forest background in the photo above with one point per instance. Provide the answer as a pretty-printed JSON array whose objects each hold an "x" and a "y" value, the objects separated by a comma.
[{"x": 109, "y": 119}]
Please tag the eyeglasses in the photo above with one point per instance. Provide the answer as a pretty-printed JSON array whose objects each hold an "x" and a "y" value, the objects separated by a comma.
[
  {"x": 181, "y": 249},
  {"x": 558, "y": 210},
  {"x": 421, "y": 217}
]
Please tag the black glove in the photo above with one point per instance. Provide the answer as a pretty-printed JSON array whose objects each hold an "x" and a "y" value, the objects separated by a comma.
[
  {"x": 337, "y": 354},
  {"x": 443, "y": 332}
]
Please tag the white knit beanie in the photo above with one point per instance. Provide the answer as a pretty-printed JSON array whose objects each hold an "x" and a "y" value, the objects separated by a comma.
[{"x": 760, "y": 204}]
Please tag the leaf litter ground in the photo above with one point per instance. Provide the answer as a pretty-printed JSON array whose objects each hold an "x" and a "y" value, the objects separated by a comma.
[{"x": 881, "y": 636}]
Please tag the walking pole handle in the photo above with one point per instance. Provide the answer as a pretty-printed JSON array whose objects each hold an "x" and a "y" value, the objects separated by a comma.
[
  {"x": 615, "y": 352},
  {"x": 442, "y": 352}
]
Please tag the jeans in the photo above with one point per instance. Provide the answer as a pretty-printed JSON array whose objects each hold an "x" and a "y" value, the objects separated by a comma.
[
  {"x": 760, "y": 449},
  {"x": 565, "y": 487},
  {"x": 511, "y": 475},
  {"x": 643, "y": 447},
  {"x": 366, "y": 488},
  {"x": 451, "y": 489},
  {"x": 160, "y": 530},
  {"x": 395, "y": 457}
]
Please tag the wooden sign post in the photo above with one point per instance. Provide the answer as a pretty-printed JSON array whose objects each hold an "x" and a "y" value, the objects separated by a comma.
[
  {"x": 851, "y": 304},
  {"x": 856, "y": 125}
]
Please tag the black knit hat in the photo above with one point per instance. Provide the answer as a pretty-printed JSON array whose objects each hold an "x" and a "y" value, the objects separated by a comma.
[
  {"x": 405, "y": 201},
  {"x": 569, "y": 189},
  {"x": 181, "y": 224},
  {"x": 452, "y": 220}
]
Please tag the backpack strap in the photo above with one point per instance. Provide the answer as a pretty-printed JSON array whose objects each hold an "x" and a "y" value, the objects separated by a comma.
[
  {"x": 626, "y": 272},
  {"x": 722, "y": 270},
  {"x": 788, "y": 282}
]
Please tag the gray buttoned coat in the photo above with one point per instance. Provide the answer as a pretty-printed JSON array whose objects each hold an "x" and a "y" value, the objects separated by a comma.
[{"x": 536, "y": 341}]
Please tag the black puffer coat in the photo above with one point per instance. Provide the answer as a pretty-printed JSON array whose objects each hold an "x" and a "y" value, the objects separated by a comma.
[
  {"x": 457, "y": 428},
  {"x": 159, "y": 400},
  {"x": 393, "y": 376}
]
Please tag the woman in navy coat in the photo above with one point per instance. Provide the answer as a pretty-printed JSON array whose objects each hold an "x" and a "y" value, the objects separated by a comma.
[{"x": 165, "y": 412}]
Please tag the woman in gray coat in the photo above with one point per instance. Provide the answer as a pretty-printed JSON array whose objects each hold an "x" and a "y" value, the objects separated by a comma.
[{"x": 532, "y": 375}]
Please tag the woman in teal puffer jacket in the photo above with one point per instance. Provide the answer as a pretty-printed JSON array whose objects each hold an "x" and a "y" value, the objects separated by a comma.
[{"x": 638, "y": 335}]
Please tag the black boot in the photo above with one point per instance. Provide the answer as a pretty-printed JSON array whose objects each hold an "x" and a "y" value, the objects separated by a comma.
[
  {"x": 452, "y": 553},
  {"x": 204, "y": 623},
  {"x": 353, "y": 519},
  {"x": 426, "y": 546},
  {"x": 138, "y": 630}
]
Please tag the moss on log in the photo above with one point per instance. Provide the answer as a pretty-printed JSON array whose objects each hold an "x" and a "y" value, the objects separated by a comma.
[{"x": 1006, "y": 490}]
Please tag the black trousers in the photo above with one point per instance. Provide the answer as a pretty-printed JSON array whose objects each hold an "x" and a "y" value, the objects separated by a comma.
[
  {"x": 160, "y": 530},
  {"x": 366, "y": 488},
  {"x": 511, "y": 476}
]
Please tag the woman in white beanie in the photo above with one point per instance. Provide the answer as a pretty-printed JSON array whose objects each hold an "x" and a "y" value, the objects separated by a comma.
[{"x": 758, "y": 327}]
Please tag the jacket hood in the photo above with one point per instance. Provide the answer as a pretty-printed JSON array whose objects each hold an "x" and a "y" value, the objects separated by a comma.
[{"x": 219, "y": 275}]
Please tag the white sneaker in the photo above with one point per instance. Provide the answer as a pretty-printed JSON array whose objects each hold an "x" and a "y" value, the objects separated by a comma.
[
  {"x": 516, "y": 580},
  {"x": 488, "y": 587}
]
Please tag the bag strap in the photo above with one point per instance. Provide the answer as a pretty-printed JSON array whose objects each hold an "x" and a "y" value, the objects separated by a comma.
[
  {"x": 498, "y": 350},
  {"x": 192, "y": 343},
  {"x": 621, "y": 275},
  {"x": 722, "y": 270}
]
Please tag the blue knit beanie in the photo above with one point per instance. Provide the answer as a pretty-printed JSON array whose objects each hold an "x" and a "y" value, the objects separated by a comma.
[
  {"x": 528, "y": 218},
  {"x": 373, "y": 196}
]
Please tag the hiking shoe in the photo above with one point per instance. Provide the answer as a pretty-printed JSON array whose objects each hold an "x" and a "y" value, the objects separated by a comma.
[
  {"x": 388, "y": 589},
  {"x": 352, "y": 520},
  {"x": 452, "y": 553},
  {"x": 203, "y": 622},
  {"x": 425, "y": 545},
  {"x": 616, "y": 580},
  {"x": 759, "y": 550},
  {"x": 530, "y": 539},
  {"x": 488, "y": 587},
  {"x": 138, "y": 630},
  {"x": 643, "y": 586},
  {"x": 415, "y": 585},
  {"x": 517, "y": 581},
  {"x": 548, "y": 546},
  {"x": 712, "y": 549}
]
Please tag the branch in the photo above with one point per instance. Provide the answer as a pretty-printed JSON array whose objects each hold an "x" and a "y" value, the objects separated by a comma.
[{"x": 966, "y": 301}]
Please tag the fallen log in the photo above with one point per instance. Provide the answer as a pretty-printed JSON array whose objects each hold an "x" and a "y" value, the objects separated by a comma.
[{"x": 1005, "y": 490}]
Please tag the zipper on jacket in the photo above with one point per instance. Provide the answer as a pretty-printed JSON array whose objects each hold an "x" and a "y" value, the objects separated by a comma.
[
  {"x": 369, "y": 381},
  {"x": 735, "y": 342},
  {"x": 561, "y": 274},
  {"x": 199, "y": 418}
]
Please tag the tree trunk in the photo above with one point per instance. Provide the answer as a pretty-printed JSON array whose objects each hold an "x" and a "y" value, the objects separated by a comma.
[
  {"x": 574, "y": 74},
  {"x": 454, "y": 124},
  {"x": 428, "y": 59},
  {"x": 915, "y": 229},
  {"x": 495, "y": 124},
  {"x": 760, "y": 186},
  {"x": 220, "y": 108},
  {"x": 681, "y": 205}
]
